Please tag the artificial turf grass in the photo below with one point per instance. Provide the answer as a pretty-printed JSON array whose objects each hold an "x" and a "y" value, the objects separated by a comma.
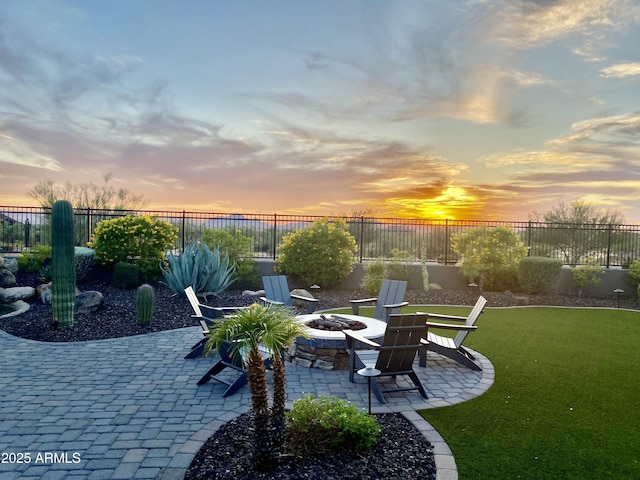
[{"x": 565, "y": 401}]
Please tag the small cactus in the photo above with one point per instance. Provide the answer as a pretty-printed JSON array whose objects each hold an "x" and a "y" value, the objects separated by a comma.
[{"x": 144, "y": 297}]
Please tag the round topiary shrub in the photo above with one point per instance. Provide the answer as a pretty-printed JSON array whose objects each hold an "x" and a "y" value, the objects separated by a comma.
[
  {"x": 318, "y": 425},
  {"x": 322, "y": 253}
]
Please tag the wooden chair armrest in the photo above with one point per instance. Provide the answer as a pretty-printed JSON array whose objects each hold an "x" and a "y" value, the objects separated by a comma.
[
  {"x": 363, "y": 300},
  {"x": 396, "y": 305},
  {"x": 306, "y": 299},
  {"x": 446, "y": 317},
  {"x": 449, "y": 326},
  {"x": 351, "y": 335},
  {"x": 272, "y": 302}
]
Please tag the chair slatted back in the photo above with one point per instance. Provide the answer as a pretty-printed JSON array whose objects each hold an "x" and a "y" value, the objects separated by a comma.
[
  {"x": 276, "y": 288},
  {"x": 193, "y": 300},
  {"x": 401, "y": 342},
  {"x": 471, "y": 319},
  {"x": 391, "y": 293}
]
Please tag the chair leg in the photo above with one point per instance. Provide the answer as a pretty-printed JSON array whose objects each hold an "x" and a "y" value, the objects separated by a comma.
[
  {"x": 237, "y": 385},
  {"x": 212, "y": 372},
  {"x": 422, "y": 356},
  {"x": 377, "y": 391},
  {"x": 418, "y": 383},
  {"x": 197, "y": 349}
]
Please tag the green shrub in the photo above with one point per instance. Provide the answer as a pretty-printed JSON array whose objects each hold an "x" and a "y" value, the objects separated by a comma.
[
  {"x": 399, "y": 266},
  {"x": 144, "y": 304},
  {"x": 84, "y": 258},
  {"x": 207, "y": 271},
  {"x": 31, "y": 262},
  {"x": 139, "y": 240},
  {"x": 489, "y": 255},
  {"x": 238, "y": 247},
  {"x": 319, "y": 425},
  {"x": 538, "y": 274},
  {"x": 634, "y": 272},
  {"x": 587, "y": 275},
  {"x": 126, "y": 275},
  {"x": 374, "y": 273},
  {"x": 322, "y": 253}
]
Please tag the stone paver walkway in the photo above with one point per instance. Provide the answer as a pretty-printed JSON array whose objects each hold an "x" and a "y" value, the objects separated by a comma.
[{"x": 130, "y": 408}]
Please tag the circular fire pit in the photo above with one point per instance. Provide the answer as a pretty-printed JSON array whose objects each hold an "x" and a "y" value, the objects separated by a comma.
[{"x": 326, "y": 349}]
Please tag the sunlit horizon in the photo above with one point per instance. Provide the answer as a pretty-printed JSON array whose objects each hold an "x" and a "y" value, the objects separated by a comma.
[{"x": 460, "y": 110}]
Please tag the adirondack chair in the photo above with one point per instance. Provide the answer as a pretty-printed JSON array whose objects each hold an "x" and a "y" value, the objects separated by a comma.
[
  {"x": 276, "y": 289},
  {"x": 389, "y": 299},
  {"x": 452, "y": 347},
  {"x": 207, "y": 315},
  {"x": 229, "y": 358},
  {"x": 394, "y": 356}
]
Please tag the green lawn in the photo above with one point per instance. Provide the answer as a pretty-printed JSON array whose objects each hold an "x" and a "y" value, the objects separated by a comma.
[
  {"x": 566, "y": 399},
  {"x": 565, "y": 403}
]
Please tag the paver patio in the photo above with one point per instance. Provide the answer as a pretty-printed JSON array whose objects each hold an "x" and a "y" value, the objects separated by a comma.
[{"x": 130, "y": 407}]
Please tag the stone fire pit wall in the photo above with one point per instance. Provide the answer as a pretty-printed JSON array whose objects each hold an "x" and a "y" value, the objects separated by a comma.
[{"x": 327, "y": 349}]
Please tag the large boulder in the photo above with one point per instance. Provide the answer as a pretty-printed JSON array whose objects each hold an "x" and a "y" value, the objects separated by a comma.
[
  {"x": 10, "y": 263},
  {"x": 88, "y": 302},
  {"x": 7, "y": 279},
  {"x": 13, "y": 294}
]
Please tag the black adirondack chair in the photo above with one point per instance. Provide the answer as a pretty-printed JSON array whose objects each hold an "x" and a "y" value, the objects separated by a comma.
[
  {"x": 208, "y": 316},
  {"x": 229, "y": 358},
  {"x": 452, "y": 347},
  {"x": 389, "y": 299},
  {"x": 393, "y": 357}
]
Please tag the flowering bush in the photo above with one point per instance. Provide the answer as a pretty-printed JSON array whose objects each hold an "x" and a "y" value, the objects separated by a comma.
[{"x": 139, "y": 240}]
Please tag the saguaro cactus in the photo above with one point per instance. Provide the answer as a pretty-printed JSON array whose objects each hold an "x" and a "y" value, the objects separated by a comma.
[
  {"x": 144, "y": 299},
  {"x": 63, "y": 269}
]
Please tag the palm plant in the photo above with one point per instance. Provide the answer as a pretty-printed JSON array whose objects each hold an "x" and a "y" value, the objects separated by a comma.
[{"x": 275, "y": 328}]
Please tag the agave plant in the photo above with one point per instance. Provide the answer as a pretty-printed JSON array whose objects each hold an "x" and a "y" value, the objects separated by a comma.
[{"x": 206, "y": 270}]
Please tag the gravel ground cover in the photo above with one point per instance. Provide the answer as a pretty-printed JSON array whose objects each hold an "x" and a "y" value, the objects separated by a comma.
[{"x": 401, "y": 453}]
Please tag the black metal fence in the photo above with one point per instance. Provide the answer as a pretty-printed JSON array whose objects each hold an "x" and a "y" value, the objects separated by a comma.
[{"x": 407, "y": 239}]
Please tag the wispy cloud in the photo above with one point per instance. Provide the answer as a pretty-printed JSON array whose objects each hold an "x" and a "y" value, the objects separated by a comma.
[
  {"x": 526, "y": 24},
  {"x": 621, "y": 70}
]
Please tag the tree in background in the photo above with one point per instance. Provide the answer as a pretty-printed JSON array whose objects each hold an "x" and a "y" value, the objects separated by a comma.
[
  {"x": 87, "y": 195},
  {"x": 578, "y": 229}
]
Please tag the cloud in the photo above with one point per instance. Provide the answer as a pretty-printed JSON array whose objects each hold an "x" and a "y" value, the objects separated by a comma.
[
  {"x": 598, "y": 158},
  {"x": 525, "y": 24},
  {"x": 621, "y": 70}
]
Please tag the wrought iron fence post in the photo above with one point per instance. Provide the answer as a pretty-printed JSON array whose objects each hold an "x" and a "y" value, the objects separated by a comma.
[
  {"x": 275, "y": 234},
  {"x": 361, "y": 246},
  {"x": 609, "y": 245},
  {"x": 89, "y": 221},
  {"x": 446, "y": 241},
  {"x": 182, "y": 240}
]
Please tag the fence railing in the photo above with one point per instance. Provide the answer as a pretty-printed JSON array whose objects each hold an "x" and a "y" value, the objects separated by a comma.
[{"x": 407, "y": 239}]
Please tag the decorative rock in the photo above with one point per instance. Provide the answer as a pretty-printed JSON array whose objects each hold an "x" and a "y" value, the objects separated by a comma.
[
  {"x": 301, "y": 362},
  {"x": 13, "y": 294},
  {"x": 300, "y": 293},
  {"x": 16, "y": 309},
  {"x": 253, "y": 293},
  {"x": 7, "y": 279},
  {"x": 88, "y": 302},
  {"x": 44, "y": 292},
  {"x": 323, "y": 365},
  {"x": 10, "y": 263}
]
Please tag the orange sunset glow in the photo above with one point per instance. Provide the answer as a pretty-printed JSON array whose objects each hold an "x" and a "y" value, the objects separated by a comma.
[{"x": 467, "y": 109}]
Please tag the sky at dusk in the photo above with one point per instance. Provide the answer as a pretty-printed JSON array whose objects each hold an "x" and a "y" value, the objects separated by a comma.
[{"x": 460, "y": 109}]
